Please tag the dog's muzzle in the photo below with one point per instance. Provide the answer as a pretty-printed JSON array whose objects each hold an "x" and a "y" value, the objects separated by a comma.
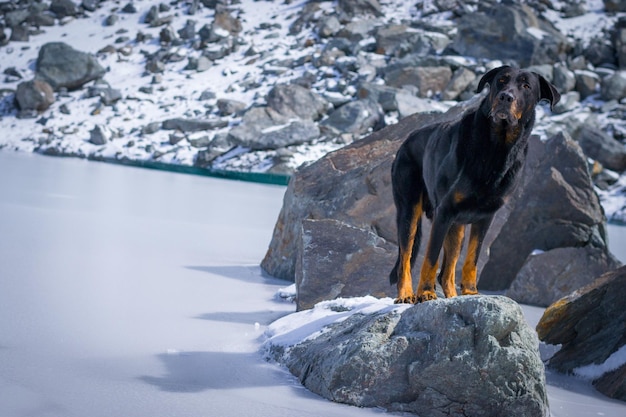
[{"x": 505, "y": 109}]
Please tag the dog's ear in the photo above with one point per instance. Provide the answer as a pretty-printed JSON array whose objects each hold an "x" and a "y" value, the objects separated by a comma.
[
  {"x": 488, "y": 77},
  {"x": 547, "y": 91}
]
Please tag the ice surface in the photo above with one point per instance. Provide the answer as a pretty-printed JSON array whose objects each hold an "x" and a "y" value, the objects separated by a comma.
[{"x": 131, "y": 292}]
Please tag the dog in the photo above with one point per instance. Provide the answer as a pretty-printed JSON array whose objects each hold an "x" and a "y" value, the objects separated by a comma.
[{"x": 460, "y": 173}]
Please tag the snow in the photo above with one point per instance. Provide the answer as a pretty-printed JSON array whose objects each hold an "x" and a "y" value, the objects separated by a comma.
[
  {"x": 613, "y": 362},
  {"x": 137, "y": 292}
]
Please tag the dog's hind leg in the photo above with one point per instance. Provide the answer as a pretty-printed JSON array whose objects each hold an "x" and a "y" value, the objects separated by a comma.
[
  {"x": 451, "y": 251},
  {"x": 477, "y": 235},
  {"x": 409, "y": 219},
  {"x": 428, "y": 275}
]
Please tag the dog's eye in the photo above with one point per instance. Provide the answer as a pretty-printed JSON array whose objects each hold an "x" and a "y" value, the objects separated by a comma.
[{"x": 526, "y": 86}]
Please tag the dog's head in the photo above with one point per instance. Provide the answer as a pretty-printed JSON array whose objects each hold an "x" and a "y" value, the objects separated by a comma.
[{"x": 514, "y": 93}]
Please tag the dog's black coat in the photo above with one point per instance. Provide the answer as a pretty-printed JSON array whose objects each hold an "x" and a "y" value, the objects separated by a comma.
[{"x": 460, "y": 173}]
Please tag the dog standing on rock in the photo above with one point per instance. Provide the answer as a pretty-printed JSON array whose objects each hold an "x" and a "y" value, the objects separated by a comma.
[{"x": 460, "y": 173}]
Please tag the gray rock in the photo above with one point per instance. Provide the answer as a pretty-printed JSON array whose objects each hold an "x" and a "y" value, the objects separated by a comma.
[
  {"x": 466, "y": 356},
  {"x": 356, "y": 117},
  {"x": 293, "y": 100},
  {"x": 253, "y": 122},
  {"x": 62, "y": 66},
  {"x": 569, "y": 101},
  {"x": 614, "y": 86},
  {"x": 460, "y": 81},
  {"x": 295, "y": 132},
  {"x": 229, "y": 106},
  {"x": 354, "y": 8},
  {"x": 603, "y": 148},
  {"x": 564, "y": 79},
  {"x": 614, "y": 5},
  {"x": 63, "y": 8},
  {"x": 328, "y": 26},
  {"x": 589, "y": 326},
  {"x": 428, "y": 80},
  {"x": 188, "y": 31},
  {"x": 546, "y": 277},
  {"x": 509, "y": 32},
  {"x": 34, "y": 95},
  {"x": 90, "y": 5},
  {"x": 324, "y": 247},
  {"x": 193, "y": 125},
  {"x": 587, "y": 83},
  {"x": 555, "y": 206},
  {"x": 100, "y": 135}
]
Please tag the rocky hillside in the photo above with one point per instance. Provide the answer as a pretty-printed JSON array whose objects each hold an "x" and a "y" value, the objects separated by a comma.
[{"x": 264, "y": 86}]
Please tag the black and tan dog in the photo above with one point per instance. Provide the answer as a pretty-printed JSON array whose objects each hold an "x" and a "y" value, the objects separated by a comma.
[{"x": 460, "y": 173}]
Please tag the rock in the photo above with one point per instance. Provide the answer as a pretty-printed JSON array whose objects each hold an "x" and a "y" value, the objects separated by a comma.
[
  {"x": 193, "y": 125},
  {"x": 295, "y": 132},
  {"x": 108, "y": 95},
  {"x": 555, "y": 206},
  {"x": 351, "y": 185},
  {"x": 129, "y": 8},
  {"x": 293, "y": 100},
  {"x": 90, "y": 5},
  {"x": 62, "y": 66},
  {"x": 587, "y": 82},
  {"x": 509, "y": 32},
  {"x": 228, "y": 106},
  {"x": 111, "y": 20},
  {"x": 400, "y": 40},
  {"x": 614, "y": 86},
  {"x": 600, "y": 52},
  {"x": 188, "y": 31},
  {"x": 63, "y": 8},
  {"x": 428, "y": 80},
  {"x": 601, "y": 147},
  {"x": 548, "y": 276},
  {"x": 613, "y": 383},
  {"x": 328, "y": 26},
  {"x": 564, "y": 79},
  {"x": 460, "y": 81},
  {"x": 466, "y": 356},
  {"x": 354, "y": 8},
  {"x": 223, "y": 26},
  {"x": 356, "y": 117},
  {"x": 324, "y": 246},
  {"x": 589, "y": 326},
  {"x": 100, "y": 135},
  {"x": 34, "y": 95},
  {"x": 253, "y": 122},
  {"x": 614, "y": 5}
]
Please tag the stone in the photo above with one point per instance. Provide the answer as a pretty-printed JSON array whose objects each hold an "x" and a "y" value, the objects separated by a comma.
[
  {"x": 34, "y": 95},
  {"x": 587, "y": 83},
  {"x": 296, "y": 132},
  {"x": 428, "y": 80},
  {"x": 193, "y": 125},
  {"x": 354, "y": 8},
  {"x": 509, "y": 32},
  {"x": 554, "y": 206},
  {"x": 188, "y": 31},
  {"x": 100, "y": 135},
  {"x": 293, "y": 100},
  {"x": 324, "y": 246},
  {"x": 601, "y": 147},
  {"x": 229, "y": 106},
  {"x": 549, "y": 276},
  {"x": 589, "y": 326},
  {"x": 614, "y": 5},
  {"x": 465, "y": 356},
  {"x": 63, "y": 8},
  {"x": 62, "y": 66},
  {"x": 460, "y": 81},
  {"x": 356, "y": 117},
  {"x": 614, "y": 86},
  {"x": 253, "y": 122}
]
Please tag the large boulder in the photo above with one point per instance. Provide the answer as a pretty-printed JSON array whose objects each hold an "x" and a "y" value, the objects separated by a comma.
[
  {"x": 466, "y": 356},
  {"x": 555, "y": 206},
  {"x": 294, "y": 100},
  {"x": 62, "y": 66},
  {"x": 590, "y": 325},
  {"x": 34, "y": 95},
  {"x": 356, "y": 117},
  {"x": 549, "y": 276},
  {"x": 509, "y": 32}
]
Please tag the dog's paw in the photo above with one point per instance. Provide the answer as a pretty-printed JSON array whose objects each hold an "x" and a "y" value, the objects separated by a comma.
[
  {"x": 469, "y": 290},
  {"x": 426, "y": 296},
  {"x": 405, "y": 300}
]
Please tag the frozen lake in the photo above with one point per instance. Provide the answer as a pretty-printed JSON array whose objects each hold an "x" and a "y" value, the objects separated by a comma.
[{"x": 131, "y": 292}]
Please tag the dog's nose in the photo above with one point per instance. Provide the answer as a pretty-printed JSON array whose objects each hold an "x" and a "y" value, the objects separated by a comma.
[{"x": 506, "y": 97}]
